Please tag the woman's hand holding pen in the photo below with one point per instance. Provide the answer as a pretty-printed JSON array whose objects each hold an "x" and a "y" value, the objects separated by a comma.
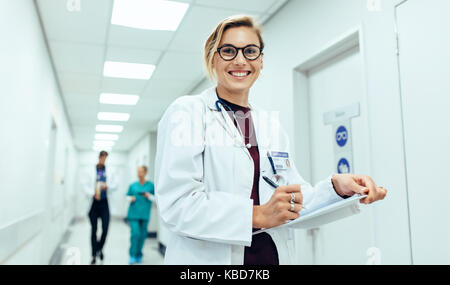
[{"x": 278, "y": 209}]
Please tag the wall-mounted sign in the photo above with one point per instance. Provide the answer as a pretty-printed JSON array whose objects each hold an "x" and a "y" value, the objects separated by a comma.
[
  {"x": 341, "y": 136},
  {"x": 340, "y": 119}
]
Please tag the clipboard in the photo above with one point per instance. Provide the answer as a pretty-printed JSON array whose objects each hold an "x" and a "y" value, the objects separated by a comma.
[{"x": 321, "y": 215}]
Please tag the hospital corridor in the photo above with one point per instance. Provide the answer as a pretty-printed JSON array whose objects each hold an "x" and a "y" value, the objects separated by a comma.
[{"x": 224, "y": 132}]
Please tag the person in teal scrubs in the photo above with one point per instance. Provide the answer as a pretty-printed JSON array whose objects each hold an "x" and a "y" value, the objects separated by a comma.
[{"x": 140, "y": 194}]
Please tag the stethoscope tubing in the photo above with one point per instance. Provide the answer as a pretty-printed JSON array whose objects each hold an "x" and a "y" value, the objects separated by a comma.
[{"x": 225, "y": 105}]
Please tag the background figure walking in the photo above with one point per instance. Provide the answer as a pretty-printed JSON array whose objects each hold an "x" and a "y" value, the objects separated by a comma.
[
  {"x": 97, "y": 188},
  {"x": 140, "y": 194}
]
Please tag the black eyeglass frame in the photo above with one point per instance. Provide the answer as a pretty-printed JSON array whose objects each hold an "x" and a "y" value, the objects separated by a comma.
[{"x": 237, "y": 51}]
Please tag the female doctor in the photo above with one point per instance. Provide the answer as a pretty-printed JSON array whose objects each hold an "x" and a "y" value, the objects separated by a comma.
[{"x": 223, "y": 166}]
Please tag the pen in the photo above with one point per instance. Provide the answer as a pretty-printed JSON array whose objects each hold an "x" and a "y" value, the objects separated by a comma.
[
  {"x": 271, "y": 183},
  {"x": 271, "y": 162}
]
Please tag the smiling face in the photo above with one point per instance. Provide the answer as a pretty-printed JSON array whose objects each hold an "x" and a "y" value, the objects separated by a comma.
[{"x": 239, "y": 74}]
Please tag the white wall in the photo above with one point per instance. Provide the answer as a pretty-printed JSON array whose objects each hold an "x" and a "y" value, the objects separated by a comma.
[
  {"x": 34, "y": 212},
  {"x": 298, "y": 31},
  {"x": 423, "y": 65}
]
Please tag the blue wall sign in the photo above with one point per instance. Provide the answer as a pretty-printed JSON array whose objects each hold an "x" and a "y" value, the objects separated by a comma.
[
  {"x": 343, "y": 166},
  {"x": 341, "y": 136}
]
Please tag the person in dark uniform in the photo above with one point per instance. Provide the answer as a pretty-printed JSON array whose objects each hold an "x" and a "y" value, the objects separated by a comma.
[{"x": 99, "y": 208}]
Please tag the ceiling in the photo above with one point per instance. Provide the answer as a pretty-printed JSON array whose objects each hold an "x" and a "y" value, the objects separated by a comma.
[{"x": 81, "y": 41}]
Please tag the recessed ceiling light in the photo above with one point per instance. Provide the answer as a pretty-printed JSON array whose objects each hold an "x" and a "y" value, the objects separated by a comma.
[
  {"x": 128, "y": 70},
  {"x": 108, "y": 116},
  {"x": 103, "y": 143},
  {"x": 148, "y": 14},
  {"x": 112, "y": 137},
  {"x": 109, "y": 128},
  {"x": 100, "y": 148},
  {"x": 118, "y": 99}
]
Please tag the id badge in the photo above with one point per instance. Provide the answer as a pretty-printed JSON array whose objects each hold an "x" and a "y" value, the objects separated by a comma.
[
  {"x": 280, "y": 160},
  {"x": 281, "y": 164}
]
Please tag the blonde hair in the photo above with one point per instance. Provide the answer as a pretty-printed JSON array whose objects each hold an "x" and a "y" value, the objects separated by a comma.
[
  {"x": 144, "y": 168},
  {"x": 213, "y": 41}
]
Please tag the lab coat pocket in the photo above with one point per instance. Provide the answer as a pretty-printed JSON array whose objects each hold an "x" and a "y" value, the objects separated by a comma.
[{"x": 218, "y": 162}]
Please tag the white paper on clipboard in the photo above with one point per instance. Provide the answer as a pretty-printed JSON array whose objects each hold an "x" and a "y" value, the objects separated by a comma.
[{"x": 311, "y": 218}]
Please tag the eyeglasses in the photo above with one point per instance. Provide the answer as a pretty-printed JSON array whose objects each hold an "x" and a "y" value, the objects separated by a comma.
[{"x": 229, "y": 52}]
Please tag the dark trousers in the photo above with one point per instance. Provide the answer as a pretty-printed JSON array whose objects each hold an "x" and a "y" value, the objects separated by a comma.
[{"x": 99, "y": 209}]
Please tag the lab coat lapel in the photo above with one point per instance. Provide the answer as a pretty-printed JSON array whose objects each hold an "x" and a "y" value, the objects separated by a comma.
[
  {"x": 224, "y": 119},
  {"x": 265, "y": 192}
]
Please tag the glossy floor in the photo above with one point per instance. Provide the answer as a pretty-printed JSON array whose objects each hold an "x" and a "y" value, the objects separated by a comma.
[{"x": 76, "y": 248}]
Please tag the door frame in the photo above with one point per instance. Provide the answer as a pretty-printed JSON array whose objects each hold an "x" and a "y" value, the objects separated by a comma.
[
  {"x": 348, "y": 40},
  {"x": 353, "y": 38},
  {"x": 396, "y": 6}
]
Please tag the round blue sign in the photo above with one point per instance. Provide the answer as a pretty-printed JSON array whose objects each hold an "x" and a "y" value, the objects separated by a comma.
[
  {"x": 341, "y": 136},
  {"x": 343, "y": 166}
]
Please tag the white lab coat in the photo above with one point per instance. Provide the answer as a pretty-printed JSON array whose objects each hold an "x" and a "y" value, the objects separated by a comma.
[
  {"x": 204, "y": 177},
  {"x": 89, "y": 179}
]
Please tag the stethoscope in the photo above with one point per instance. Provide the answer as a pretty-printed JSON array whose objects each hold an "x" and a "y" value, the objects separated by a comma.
[
  {"x": 276, "y": 177},
  {"x": 228, "y": 108}
]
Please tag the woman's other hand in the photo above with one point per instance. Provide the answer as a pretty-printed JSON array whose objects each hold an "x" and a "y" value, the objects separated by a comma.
[{"x": 349, "y": 184}]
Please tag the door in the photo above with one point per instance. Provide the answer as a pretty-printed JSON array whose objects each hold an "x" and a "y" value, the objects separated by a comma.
[
  {"x": 424, "y": 58},
  {"x": 335, "y": 84}
]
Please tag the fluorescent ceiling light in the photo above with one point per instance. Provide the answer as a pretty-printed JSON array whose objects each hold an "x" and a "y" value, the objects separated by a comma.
[
  {"x": 118, "y": 99},
  {"x": 109, "y": 128},
  {"x": 128, "y": 70},
  {"x": 103, "y": 143},
  {"x": 100, "y": 148},
  {"x": 111, "y": 137},
  {"x": 148, "y": 14},
  {"x": 108, "y": 116}
]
